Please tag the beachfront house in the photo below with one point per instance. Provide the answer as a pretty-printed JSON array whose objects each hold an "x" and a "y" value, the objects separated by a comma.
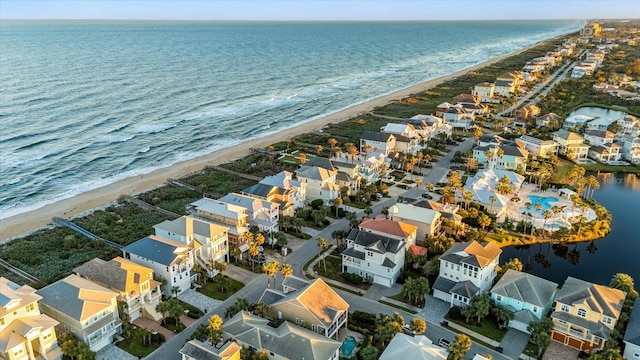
[
  {"x": 378, "y": 142},
  {"x": 199, "y": 350},
  {"x": 466, "y": 270},
  {"x": 485, "y": 91},
  {"x": 484, "y": 189},
  {"x": 134, "y": 284},
  {"x": 538, "y": 147},
  {"x": 287, "y": 341},
  {"x": 502, "y": 157},
  {"x": 427, "y": 221},
  {"x": 309, "y": 303},
  {"x": 234, "y": 217},
  {"x": 632, "y": 334},
  {"x": 281, "y": 189},
  {"x": 374, "y": 257},
  {"x": 209, "y": 241},
  {"x": 170, "y": 260},
  {"x": 348, "y": 174},
  {"x": 419, "y": 347},
  {"x": 570, "y": 144},
  {"x": 84, "y": 308},
  {"x": 585, "y": 314},
  {"x": 321, "y": 181},
  {"x": 25, "y": 333},
  {"x": 529, "y": 297},
  {"x": 429, "y": 126},
  {"x": 263, "y": 214}
]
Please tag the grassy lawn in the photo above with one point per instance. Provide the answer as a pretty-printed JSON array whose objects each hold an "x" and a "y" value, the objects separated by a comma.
[
  {"x": 259, "y": 165},
  {"x": 487, "y": 326},
  {"x": 170, "y": 323},
  {"x": 171, "y": 197},
  {"x": 216, "y": 182},
  {"x": 133, "y": 345},
  {"x": 212, "y": 288},
  {"x": 334, "y": 271}
]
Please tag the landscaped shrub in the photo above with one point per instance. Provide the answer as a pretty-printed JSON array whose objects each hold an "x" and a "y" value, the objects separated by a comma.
[
  {"x": 317, "y": 204},
  {"x": 352, "y": 278}
]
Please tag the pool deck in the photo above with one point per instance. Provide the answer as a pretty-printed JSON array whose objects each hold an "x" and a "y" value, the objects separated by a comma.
[{"x": 563, "y": 219}]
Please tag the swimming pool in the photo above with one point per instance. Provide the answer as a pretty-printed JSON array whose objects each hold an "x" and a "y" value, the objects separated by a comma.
[
  {"x": 545, "y": 201},
  {"x": 348, "y": 345}
]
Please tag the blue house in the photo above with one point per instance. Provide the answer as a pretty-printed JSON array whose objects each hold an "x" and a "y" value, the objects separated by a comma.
[{"x": 528, "y": 296}]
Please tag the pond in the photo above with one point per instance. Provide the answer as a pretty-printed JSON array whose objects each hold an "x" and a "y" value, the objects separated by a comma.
[
  {"x": 596, "y": 112},
  {"x": 595, "y": 261}
]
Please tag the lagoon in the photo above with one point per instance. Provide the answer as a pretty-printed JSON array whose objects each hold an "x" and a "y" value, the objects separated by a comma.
[{"x": 599, "y": 260}]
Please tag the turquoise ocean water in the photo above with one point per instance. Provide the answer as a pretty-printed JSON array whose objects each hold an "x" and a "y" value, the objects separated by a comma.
[{"x": 84, "y": 104}]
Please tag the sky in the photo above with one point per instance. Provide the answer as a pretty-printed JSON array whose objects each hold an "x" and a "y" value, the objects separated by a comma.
[{"x": 306, "y": 10}]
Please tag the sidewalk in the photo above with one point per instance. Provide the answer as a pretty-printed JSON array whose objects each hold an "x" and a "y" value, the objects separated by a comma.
[
  {"x": 309, "y": 271},
  {"x": 237, "y": 273}
]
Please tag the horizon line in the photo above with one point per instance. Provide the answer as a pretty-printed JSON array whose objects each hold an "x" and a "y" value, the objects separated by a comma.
[{"x": 307, "y": 20}]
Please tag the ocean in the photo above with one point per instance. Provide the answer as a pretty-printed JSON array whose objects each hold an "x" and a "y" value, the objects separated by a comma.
[{"x": 86, "y": 103}]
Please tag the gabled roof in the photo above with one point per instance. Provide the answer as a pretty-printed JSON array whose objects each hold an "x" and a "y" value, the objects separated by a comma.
[
  {"x": 156, "y": 249},
  {"x": 187, "y": 226},
  {"x": 260, "y": 190},
  {"x": 288, "y": 340},
  {"x": 414, "y": 213},
  {"x": 119, "y": 274},
  {"x": 419, "y": 347},
  {"x": 472, "y": 253},
  {"x": 525, "y": 287},
  {"x": 319, "y": 299},
  {"x": 13, "y": 296},
  {"x": 376, "y": 136},
  {"x": 199, "y": 350},
  {"x": 374, "y": 242},
  {"x": 18, "y": 331},
  {"x": 315, "y": 173},
  {"x": 465, "y": 288},
  {"x": 598, "y": 298},
  {"x": 390, "y": 227},
  {"x": 220, "y": 208},
  {"x": 321, "y": 162},
  {"x": 605, "y": 134},
  {"x": 247, "y": 202},
  {"x": 632, "y": 334},
  {"x": 77, "y": 298},
  {"x": 567, "y": 135}
]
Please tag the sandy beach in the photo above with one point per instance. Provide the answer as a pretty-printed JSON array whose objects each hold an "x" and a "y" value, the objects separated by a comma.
[{"x": 20, "y": 224}]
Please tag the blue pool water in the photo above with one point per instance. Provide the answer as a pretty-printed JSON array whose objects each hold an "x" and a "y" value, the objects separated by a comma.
[
  {"x": 348, "y": 345},
  {"x": 544, "y": 200}
]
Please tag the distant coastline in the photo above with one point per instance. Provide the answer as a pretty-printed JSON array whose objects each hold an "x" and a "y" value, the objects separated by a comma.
[{"x": 19, "y": 224}]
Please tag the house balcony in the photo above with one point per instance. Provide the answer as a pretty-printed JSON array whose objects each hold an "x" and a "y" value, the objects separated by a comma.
[{"x": 347, "y": 261}]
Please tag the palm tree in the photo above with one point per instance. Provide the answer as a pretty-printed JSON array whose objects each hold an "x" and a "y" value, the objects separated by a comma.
[
  {"x": 319, "y": 149},
  {"x": 215, "y": 329},
  {"x": 175, "y": 290},
  {"x": 323, "y": 245},
  {"x": 337, "y": 202},
  {"x": 254, "y": 250},
  {"x": 303, "y": 158},
  {"x": 418, "y": 326},
  {"x": 493, "y": 199},
  {"x": 271, "y": 269},
  {"x": 538, "y": 207},
  {"x": 547, "y": 214},
  {"x": 332, "y": 144},
  {"x": 285, "y": 270},
  {"x": 429, "y": 186},
  {"x": 418, "y": 183},
  {"x": 527, "y": 205},
  {"x": 459, "y": 347},
  {"x": 261, "y": 309},
  {"x": 235, "y": 253},
  {"x": 163, "y": 309}
]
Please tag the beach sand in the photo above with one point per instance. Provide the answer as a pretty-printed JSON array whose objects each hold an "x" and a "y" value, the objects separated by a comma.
[{"x": 17, "y": 225}]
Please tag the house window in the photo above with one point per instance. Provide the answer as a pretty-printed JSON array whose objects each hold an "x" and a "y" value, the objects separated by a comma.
[
  {"x": 297, "y": 320},
  {"x": 606, "y": 320},
  {"x": 582, "y": 312},
  {"x": 499, "y": 297},
  {"x": 31, "y": 307},
  {"x": 535, "y": 309},
  {"x": 446, "y": 264},
  {"x": 564, "y": 308}
]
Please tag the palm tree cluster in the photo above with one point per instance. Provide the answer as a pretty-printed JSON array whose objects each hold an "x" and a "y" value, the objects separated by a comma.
[
  {"x": 415, "y": 289},
  {"x": 170, "y": 308}
]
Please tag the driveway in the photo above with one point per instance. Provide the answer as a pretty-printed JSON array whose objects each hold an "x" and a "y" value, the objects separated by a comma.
[{"x": 557, "y": 351}]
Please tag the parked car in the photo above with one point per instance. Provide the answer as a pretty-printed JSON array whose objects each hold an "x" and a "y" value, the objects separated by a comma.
[
  {"x": 444, "y": 343},
  {"x": 379, "y": 196},
  {"x": 407, "y": 330},
  {"x": 427, "y": 196}
]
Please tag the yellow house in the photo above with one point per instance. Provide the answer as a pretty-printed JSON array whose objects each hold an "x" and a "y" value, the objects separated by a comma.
[
  {"x": 585, "y": 314},
  {"x": 24, "y": 332}
]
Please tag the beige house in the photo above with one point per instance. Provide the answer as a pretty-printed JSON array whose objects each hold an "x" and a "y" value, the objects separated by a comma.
[
  {"x": 538, "y": 147},
  {"x": 313, "y": 305},
  {"x": 585, "y": 314},
  {"x": 287, "y": 341},
  {"x": 485, "y": 92},
  {"x": 427, "y": 221},
  {"x": 198, "y": 350},
  {"x": 282, "y": 189},
  {"x": 133, "y": 282},
  {"x": 84, "y": 308},
  {"x": 321, "y": 179},
  {"x": 232, "y": 216},
  {"x": 570, "y": 144},
  {"x": 25, "y": 333},
  {"x": 379, "y": 142}
]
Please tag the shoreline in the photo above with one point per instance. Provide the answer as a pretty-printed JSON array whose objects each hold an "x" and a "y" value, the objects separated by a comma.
[{"x": 20, "y": 224}]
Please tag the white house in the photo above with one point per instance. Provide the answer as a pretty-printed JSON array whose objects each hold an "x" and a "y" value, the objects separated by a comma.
[
  {"x": 483, "y": 187},
  {"x": 466, "y": 270},
  {"x": 485, "y": 92},
  {"x": 379, "y": 142},
  {"x": 606, "y": 153},
  {"x": 419, "y": 347},
  {"x": 170, "y": 260},
  {"x": 631, "y": 149},
  {"x": 263, "y": 214},
  {"x": 632, "y": 334},
  {"x": 458, "y": 118},
  {"x": 228, "y": 215},
  {"x": 321, "y": 183},
  {"x": 210, "y": 242},
  {"x": 429, "y": 126},
  {"x": 374, "y": 257},
  {"x": 427, "y": 221},
  {"x": 198, "y": 350},
  {"x": 550, "y": 120},
  {"x": 529, "y": 297},
  {"x": 84, "y": 308}
]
